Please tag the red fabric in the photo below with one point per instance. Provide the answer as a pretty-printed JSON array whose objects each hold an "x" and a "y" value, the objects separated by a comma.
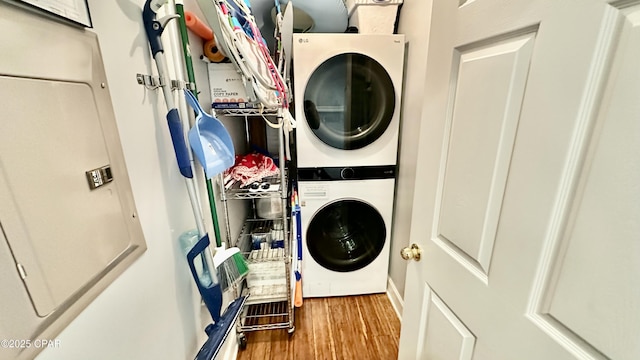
[{"x": 251, "y": 168}]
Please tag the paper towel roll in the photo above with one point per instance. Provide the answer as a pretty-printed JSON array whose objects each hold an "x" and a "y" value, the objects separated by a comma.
[
  {"x": 213, "y": 52},
  {"x": 374, "y": 19}
]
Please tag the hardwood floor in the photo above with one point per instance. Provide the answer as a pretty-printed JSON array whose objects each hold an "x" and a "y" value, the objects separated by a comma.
[{"x": 339, "y": 328}]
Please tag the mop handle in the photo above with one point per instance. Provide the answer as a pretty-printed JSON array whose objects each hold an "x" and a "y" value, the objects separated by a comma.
[
  {"x": 179, "y": 143},
  {"x": 154, "y": 28},
  {"x": 298, "y": 223}
]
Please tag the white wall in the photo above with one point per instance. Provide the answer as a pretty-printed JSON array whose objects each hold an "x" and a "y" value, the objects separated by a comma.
[
  {"x": 414, "y": 24},
  {"x": 153, "y": 310}
]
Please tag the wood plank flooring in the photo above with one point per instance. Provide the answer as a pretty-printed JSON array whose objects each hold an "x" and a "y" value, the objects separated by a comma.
[{"x": 338, "y": 328}]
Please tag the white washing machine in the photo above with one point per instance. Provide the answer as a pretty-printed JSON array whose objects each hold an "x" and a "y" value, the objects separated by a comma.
[
  {"x": 346, "y": 230},
  {"x": 347, "y": 90}
]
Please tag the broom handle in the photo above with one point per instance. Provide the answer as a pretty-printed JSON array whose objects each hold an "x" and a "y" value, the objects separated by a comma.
[{"x": 184, "y": 35}]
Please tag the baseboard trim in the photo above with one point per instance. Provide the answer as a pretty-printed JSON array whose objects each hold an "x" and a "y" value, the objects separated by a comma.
[{"x": 394, "y": 296}]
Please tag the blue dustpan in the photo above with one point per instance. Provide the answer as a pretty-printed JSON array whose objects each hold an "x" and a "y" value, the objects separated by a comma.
[{"x": 210, "y": 141}]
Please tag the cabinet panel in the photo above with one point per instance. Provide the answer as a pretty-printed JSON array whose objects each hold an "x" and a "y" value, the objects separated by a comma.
[{"x": 61, "y": 232}]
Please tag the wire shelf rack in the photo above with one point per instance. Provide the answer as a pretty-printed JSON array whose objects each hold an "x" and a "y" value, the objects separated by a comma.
[
  {"x": 247, "y": 112},
  {"x": 267, "y": 316},
  {"x": 275, "y": 189}
]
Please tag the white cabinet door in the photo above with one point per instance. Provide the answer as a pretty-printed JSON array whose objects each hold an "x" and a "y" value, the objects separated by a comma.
[{"x": 527, "y": 207}]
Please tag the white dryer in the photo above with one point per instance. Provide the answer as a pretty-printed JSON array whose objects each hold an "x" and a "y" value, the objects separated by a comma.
[
  {"x": 347, "y": 90},
  {"x": 346, "y": 230}
]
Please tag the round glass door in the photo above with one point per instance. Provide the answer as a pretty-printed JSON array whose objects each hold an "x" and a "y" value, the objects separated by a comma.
[
  {"x": 349, "y": 101},
  {"x": 346, "y": 235}
]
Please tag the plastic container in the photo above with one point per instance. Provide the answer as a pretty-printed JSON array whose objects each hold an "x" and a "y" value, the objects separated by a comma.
[
  {"x": 260, "y": 238},
  {"x": 188, "y": 240},
  {"x": 269, "y": 208}
]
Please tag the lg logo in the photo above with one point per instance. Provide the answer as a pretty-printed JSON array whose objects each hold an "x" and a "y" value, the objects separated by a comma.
[{"x": 303, "y": 40}]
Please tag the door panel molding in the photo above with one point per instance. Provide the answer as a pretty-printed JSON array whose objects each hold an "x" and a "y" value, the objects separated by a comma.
[
  {"x": 576, "y": 174},
  {"x": 442, "y": 332},
  {"x": 476, "y": 156}
]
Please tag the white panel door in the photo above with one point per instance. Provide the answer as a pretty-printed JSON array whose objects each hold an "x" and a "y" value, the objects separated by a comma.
[{"x": 528, "y": 209}]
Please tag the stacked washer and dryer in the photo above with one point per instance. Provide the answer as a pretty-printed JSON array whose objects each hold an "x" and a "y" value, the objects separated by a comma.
[{"x": 347, "y": 90}]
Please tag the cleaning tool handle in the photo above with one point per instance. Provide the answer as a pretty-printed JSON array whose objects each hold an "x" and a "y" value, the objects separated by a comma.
[
  {"x": 192, "y": 80},
  {"x": 298, "y": 211},
  {"x": 197, "y": 26},
  {"x": 192, "y": 101},
  {"x": 212, "y": 294},
  {"x": 298, "y": 234},
  {"x": 297, "y": 302},
  {"x": 179, "y": 144},
  {"x": 153, "y": 27}
]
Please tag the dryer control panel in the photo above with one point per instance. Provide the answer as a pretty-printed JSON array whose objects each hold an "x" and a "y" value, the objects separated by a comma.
[{"x": 347, "y": 173}]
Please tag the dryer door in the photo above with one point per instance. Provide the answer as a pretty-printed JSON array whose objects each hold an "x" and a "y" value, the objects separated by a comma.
[
  {"x": 349, "y": 101},
  {"x": 346, "y": 235}
]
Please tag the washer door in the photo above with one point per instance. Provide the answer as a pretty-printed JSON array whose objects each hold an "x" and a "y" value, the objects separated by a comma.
[
  {"x": 346, "y": 235},
  {"x": 349, "y": 101}
]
